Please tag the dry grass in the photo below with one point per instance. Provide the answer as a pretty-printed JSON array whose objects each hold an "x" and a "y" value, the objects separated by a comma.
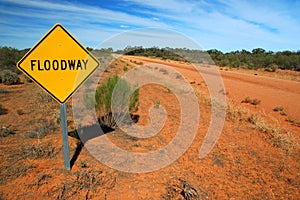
[
  {"x": 38, "y": 151},
  {"x": 278, "y": 108},
  {"x": 88, "y": 182},
  {"x": 251, "y": 101},
  {"x": 46, "y": 127},
  {"x": 179, "y": 188},
  {"x": 293, "y": 121},
  {"x": 235, "y": 113},
  {"x": 281, "y": 110},
  {"x": 14, "y": 170},
  {"x": 280, "y": 139}
]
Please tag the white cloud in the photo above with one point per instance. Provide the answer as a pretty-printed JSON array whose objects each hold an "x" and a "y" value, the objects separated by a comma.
[
  {"x": 91, "y": 25},
  {"x": 124, "y": 26},
  {"x": 266, "y": 24},
  {"x": 74, "y": 12},
  {"x": 226, "y": 25}
]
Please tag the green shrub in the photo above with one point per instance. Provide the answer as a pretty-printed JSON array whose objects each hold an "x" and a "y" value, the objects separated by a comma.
[
  {"x": 255, "y": 101},
  {"x": 271, "y": 68},
  {"x": 103, "y": 100},
  {"x": 246, "y": 100},
  {"x": 9, "y": 78},
  {"x": 178, "y": 76},
  {"x": 104, "y": 93},
  {"x": 293, "y": 121},
  {"x": 251, "y": 101},
  {"x": 164, "y": 71},
  {"x": 284, "y": 113},
  {"x": 281, "y": 110},
  {"x": 278, "y": 108}
]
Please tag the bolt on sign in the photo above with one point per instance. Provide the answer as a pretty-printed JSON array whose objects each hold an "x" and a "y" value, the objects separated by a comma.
[{"x": 58, "y": 63}]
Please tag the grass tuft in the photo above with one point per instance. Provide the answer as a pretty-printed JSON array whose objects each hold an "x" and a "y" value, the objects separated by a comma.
[
  {"x": 179, "y": 188},
  {"x": 234, "y": 113},
  {"x": 284, "y": 141},
  {"x": 278, "y": 108},
  {"x": 293, "y": 121},
  {"x": 38, "y": 151},
  {"x": 251, "y": 101}
]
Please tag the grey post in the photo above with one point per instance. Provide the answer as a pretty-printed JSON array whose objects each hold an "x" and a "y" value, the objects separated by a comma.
[{"x": 63, "y": 117}]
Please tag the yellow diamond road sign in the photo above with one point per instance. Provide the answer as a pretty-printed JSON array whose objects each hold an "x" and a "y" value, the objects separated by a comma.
[{"x": 58, "y": 63}]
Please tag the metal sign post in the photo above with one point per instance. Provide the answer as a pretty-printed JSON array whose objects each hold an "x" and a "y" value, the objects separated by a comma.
[{"x": 63, "y": 117}]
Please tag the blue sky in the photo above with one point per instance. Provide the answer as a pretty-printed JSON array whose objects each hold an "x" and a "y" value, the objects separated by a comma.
[{"x": 225, "y": 25}]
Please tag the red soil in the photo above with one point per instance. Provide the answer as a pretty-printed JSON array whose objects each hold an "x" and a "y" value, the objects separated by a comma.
[{"x": 244, "y": 164}]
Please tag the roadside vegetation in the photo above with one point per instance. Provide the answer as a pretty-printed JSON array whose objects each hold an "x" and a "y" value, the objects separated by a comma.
[
  {"x": 254, "y": 59},
  {"x": 258, "y": 58},
  {"x": 9, "y": 77},
  {"x": 251, "y": 101},
  {"x": 9, "y": 58},
  {"x": 104, "y": 98},
  {"x": 277, "y": 136}
]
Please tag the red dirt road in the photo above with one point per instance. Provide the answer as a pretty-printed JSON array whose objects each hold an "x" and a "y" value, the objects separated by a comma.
[{"x": 272, "y": 92}]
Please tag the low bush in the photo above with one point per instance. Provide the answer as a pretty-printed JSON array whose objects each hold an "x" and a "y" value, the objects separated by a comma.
[
  {"x": 271, "y": 68},
  {"x": 9, "y": 78},
  {"x": 251, "y": 101},
  {"x": 103, "y": 100},
  {"x": 278, "y": 108},
  {"x": 178, "y": 76},
  {"x": 38, "y": 151},
  {"x": 284, "y": 141},
  {"x": 255, "y": 101},
  {"x": 281, "y": 110},
  {"x": 293, "y": 121},
  {"x": 235, "y": 113},
  {"x": 246, "y": 100},
  {"x": 164, "y": 71}
]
